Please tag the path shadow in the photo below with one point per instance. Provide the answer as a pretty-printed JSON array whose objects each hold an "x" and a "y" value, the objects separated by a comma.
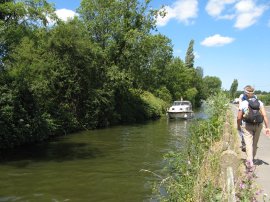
[{"x": 259, "y": 162}]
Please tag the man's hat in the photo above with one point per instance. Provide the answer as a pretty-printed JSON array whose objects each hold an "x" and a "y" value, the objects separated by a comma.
[{"x": 249, "y": 89}]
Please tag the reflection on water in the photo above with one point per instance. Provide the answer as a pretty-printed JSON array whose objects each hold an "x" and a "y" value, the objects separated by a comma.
[
  {"x": 98, "y": 165},
  {"x": 177, "y": 127}
]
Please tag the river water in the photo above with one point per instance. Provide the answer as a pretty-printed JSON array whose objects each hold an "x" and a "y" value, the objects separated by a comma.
[{"x": 97, "y": 165}]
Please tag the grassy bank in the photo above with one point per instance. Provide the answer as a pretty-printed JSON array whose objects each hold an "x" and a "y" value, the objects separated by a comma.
[{"x": 198, "y": 171}]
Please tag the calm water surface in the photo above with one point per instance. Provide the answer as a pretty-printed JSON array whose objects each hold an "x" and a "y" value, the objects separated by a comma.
[{"x": 99, "y": 165}]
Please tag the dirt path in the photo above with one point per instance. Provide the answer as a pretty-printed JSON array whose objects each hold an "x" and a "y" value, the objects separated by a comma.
[{"x": 263, "y": 163}]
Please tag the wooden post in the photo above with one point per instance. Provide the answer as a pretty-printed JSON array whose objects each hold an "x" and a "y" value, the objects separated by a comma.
[{"x": 230, "y": 185}]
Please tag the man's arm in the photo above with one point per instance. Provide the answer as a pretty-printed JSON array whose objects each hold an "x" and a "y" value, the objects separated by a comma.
[
  {"x": 266, "y": 122},
  {"x": 239, "y": 119}
]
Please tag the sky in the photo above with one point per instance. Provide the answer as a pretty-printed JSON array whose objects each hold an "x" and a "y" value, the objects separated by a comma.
[{"x": 231, "y": 37}]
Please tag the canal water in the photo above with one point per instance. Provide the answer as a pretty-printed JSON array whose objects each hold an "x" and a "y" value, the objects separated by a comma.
[{"x": 98, "y": 165}]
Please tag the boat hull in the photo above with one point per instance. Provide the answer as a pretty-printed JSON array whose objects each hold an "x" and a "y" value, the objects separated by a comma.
[
  {"x": 180, "y": 115},
  {"x": 180, "y": 109}
]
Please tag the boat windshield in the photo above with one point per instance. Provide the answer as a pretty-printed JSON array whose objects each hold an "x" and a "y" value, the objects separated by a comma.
[{"x": 177, "y": 103}]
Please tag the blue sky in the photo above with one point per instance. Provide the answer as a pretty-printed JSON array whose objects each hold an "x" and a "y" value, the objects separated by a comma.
[{"x": 232, "y": 37}]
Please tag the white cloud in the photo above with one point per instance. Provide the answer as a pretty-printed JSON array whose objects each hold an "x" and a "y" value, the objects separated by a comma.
[
  {"x": 182, "y": 10},
  {"x": 215, "y": 7},
  {"x": 244, "y": 12},
  {"x": 216, "y": 40},
  {"x": 244, "y": 6},
  {"x": 185, "y": 10},
  {"x": 248, "y": 13},
  {"x": 65, "y": 14}
]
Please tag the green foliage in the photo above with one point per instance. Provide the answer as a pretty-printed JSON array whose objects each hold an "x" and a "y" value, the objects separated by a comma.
[
  {"x": 164, "y": 94},
  {"x": 216, "y": 105},
  {"x": 264, "y": 98},
  {"x": 212, "y": 193},
  {"x": 212, "y": 85},
  {"x": 181, "y": 80},
  {"x": 189, "y": 59},
  {"x": 155, "y": 53},
  {"x": 138, "y": 106},
  {"x": 233, "y": 89},
  {"x": 199, "y": 85},
  {"x": 19, "y": 19},
  {"x": 122, "y": 30},
  {"x": 154, "y": 106},
  {"x": 190, "y": 94},
  {"x": 21, "y": 119}
]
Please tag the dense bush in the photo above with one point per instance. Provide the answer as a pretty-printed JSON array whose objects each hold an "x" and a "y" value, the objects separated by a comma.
[
  {"x": 138, "y": 106},
  {"x": 164, "y": 94},
  {"x": 154, "y": 107},
  {"x": 21, "y": 119},
  {"x": 265, "y": 99}
]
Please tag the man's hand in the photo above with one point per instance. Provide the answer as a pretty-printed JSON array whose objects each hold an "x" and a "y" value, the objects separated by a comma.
[{"x": 267, "y": 132}]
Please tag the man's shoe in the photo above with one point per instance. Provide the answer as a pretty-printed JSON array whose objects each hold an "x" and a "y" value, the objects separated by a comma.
[
  {"x": 243, "y": 148},
  {"x": 250, "y": 167}
]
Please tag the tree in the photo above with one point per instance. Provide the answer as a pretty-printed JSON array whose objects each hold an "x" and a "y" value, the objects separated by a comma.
[
  {"x": 190, "y": 94},
  {"x": 233, "y": 88},
  {"x": 155, "y": 53},
  {"x": 19, "y": 19},
  {"x": 201, "y": 95},
  {"x": 179, "y": 79},
  {"x": 122, "y": 30},
  {"x": 189, "y": 59},
  {"x": 212, "y": 85},
  {"x": 199, "y": 71}
]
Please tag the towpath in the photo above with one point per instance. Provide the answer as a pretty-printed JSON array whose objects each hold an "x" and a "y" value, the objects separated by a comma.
[{"x": 262, "y": 161}]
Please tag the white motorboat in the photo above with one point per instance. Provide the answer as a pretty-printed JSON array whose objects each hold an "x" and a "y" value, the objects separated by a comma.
[{"x": 180, "y": 109}]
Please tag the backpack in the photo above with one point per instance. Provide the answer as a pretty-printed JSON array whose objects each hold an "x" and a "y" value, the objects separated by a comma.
[
  {"x": 244, "y": 97},
  {"x": 253, "y": 114}
]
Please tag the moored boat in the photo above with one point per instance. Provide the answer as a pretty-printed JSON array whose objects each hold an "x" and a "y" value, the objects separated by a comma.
[{"x": 180, "y": 109}]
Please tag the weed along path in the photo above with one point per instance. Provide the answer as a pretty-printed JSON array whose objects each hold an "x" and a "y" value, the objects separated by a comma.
[{"x": 262, "y": 162}]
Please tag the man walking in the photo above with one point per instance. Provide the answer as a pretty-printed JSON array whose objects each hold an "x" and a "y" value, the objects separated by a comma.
[{"x": 250, "y": 118}]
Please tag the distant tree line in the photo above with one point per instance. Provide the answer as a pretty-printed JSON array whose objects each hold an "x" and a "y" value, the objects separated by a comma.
[
  {"x": 101, "y": 68},
  {"x": 234, "y": 93}
]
